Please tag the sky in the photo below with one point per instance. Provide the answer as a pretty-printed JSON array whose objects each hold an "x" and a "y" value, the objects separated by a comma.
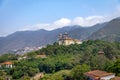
[{"x": 21, "y": 15}]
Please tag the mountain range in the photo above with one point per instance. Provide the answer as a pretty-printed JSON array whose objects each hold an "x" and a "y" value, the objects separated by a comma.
[
  {"x": 105, "y": 31},
  {"x": 110, "y": 32}
]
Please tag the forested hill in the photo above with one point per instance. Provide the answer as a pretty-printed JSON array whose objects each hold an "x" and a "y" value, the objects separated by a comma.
[
  {"x": 63, "y": 62},
  {"x": 90, "y": 47}
]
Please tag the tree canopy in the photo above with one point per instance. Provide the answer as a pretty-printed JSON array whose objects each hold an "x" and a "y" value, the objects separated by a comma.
[{"x": 73, "y": 60}]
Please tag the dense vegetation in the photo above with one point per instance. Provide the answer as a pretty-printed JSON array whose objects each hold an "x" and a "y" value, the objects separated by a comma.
[{"x": 65, "y": 62}]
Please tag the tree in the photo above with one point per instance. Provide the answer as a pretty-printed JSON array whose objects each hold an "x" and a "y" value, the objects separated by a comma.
[
  {"x": 26, "y": 78},
  {"x": 17, "y": 74},
  {"x": 115, "y": 68},
  {"x": 47, "y": 67},
  {"x": 55, "y": 43},
  {"x": 99, "y": 62},
  {"x": 2, "y": 73},
  {"x": 60, "y": 75},
  {"x": 1, "y": 78},
  {"x": 32, "y": 71},
  {"x": 78, "y": 72}
]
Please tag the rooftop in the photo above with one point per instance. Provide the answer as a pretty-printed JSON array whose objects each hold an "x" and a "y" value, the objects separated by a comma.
[
  {"x": 8, "y": 63},
  {"x": 97, "y": 74}
]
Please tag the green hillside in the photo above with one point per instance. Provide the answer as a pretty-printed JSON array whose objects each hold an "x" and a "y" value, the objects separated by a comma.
[{"x": 64, "y": 62}]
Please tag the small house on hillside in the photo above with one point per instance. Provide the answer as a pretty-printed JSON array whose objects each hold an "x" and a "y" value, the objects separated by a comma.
[
  {"x": 101, "y": 52},
  {"x": 7, "y": 64},
  {"x": 99, "y": 75}
]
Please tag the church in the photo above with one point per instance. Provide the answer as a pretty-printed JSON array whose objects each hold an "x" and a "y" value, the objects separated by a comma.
[{"x": 64, "y": 39}]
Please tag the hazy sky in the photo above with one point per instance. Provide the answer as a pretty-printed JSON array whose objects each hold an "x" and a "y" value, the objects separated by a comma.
[{"x": 17, "y": 15}]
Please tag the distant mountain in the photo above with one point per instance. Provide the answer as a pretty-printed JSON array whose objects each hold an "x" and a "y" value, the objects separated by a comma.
[
  {"x": 21, "y": 39},
  {"x": 110, "y": 32},
  {"x": 85, "y": 32}
]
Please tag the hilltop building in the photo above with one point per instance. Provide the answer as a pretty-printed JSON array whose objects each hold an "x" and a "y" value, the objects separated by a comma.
[{"x": 64, "y": 39}]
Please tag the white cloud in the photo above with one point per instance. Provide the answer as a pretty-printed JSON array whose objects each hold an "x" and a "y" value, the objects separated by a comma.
[
  {"x": 82, "y": 21},
  {"x": 88, "y": 21},
  {"x": 60, "y": 23},
  {"x": 49, "y": 26}
]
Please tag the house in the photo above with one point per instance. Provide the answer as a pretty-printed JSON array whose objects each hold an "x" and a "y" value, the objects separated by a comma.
[
  {"x": 99, "y": 75},
  {"x": 64, "y": 39},
  {"x": 8, "y": 64}
]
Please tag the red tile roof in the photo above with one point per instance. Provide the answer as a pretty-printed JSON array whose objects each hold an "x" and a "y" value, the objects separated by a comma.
[
  {"x": 8, "y": 63},
  {"x": 96, "y": 74}
]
